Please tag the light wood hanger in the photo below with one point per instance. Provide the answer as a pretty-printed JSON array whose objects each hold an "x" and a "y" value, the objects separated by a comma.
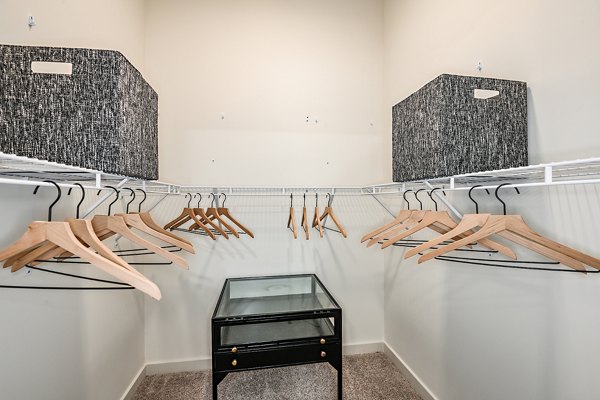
[
  {"x": 202, "y": 219},
  {"x": 106, "y": 226},
  {"x": 413, "y": 218},
  {"x": 61, "y": 235},
  {"x": 292, "y": 218},
  {"x": 443, "y": 218},
  {"x": 147, "y": 219},
  {"x": 135, "y": 220},
  {"x": 213, "y": 215},
  {"x": 316, "y": 221},
  {"x": 329, "y": 212},
  {"x": 226, "y": 213},
  {"x": 514, "y": 228},
  {"x": 304, "y": 222},
  {"x": 192, "y": 214},
  {"x": 401, "y": 217}
]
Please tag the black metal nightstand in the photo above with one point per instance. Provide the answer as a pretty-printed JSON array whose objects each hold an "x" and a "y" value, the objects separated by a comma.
[{"x": 275, "y": 321}]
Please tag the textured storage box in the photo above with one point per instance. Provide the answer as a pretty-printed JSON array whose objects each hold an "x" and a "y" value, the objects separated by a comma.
[
  {"x": 103, "y": 116},
  {"x": 443, "y": 129}
]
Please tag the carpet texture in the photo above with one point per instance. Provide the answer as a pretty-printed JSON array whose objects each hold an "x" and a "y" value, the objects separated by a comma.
[{"x": 366, "y": 377}]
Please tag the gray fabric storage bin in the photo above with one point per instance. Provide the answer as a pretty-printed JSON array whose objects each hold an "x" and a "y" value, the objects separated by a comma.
[
  {"x": 103, "y": 116},
  {"x": 443, "y": 130}
]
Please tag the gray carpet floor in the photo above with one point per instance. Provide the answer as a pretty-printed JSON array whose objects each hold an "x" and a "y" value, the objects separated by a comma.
[{"x": 366, "y": 377}]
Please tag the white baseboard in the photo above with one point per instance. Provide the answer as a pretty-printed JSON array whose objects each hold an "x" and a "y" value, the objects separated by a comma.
[
  {"x": 362, "y": 348},
  {"x": 171, "y": 367},
  {"x": 417, "y": 383},
  {"x": 130, "y": 392}
]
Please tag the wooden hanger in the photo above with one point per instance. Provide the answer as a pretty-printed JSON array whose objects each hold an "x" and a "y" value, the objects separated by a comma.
[
  {"x": 61, "y": 235},
  {"x": 106, "y": 226},
  {"x": 147, "y": 219},
  {"x": 304, "y": 222},
  {"x": 213, "y": 215},
  {"x": 192, "y": 214},
  {"x": 329, "y": 212},
  {"x": 204, "y": 218},
  {"x": 402, "y": 215},
  {"x": 135, "y": 220},
  {"x": 514, "y": 228},
  {"x": 226, "y": 213},
  {"x": 292, "y": 218},
  {"x": 443, "y": 218},
  {"x": 316, "y": 221}
]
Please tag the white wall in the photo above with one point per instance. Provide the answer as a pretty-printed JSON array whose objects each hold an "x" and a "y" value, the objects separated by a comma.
[
  {"x": 66, "y": 344},
  {"x": 473, "y": 332},
  {"x": 60, "y": 344},
  {"x": 110, "y": 24},
  {"x": 266, "y": 65},
  {"x": 178, "y": 327}
]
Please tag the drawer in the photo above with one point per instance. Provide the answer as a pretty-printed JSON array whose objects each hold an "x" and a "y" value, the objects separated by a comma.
[{"x": 253, "y": 358}]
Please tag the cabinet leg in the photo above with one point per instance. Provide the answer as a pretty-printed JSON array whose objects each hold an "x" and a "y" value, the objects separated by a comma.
[
  {"x": 216, "y": 379},
  {"x": 339, "y": 382}
]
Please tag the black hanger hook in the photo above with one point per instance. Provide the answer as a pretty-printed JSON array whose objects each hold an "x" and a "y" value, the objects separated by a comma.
[
  {"x": 212, "y": 202},
  {"x": 224, "y": 199},
  {"x": 199, "y": 200},
  {"x": 405, "y": 199},
  {"x": 473, "y": 200},
  {"x": 329, "y": 199},
  {"x": 190, "y": 200},
  {"x": 500, "y": 200},
  {"x": 417, "y": 197},
  {"x": 143, "y": 200},
  {"x": 291, "y": 200},
  {"x": 82, "y": 197},
  {"x": 431, "y": 196},
  {"x": 116, "y": 197},
  {"x": 131, "y": 201},
  {"x": 316, "y": 199},
  {"x": 304, "y": 200},
  {"x": 55, "y": 201}
]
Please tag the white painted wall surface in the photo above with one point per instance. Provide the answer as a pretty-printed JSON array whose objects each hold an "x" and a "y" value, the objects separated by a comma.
[
  {"x": 57, "y": 344},
  {"x": 63, "y": 344},
  {"x": 267, "y": 65},
  {"x": 472, "y": 332},
  {"x": 109, "y": 24},
  {"x": 549, "y": 44},
  {"x": 178, "y": 326}
]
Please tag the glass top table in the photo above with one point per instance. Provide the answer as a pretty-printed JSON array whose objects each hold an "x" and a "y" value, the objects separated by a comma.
[
  {"x": 275, "y": 321},
  {"x": 244, "y": 297}
]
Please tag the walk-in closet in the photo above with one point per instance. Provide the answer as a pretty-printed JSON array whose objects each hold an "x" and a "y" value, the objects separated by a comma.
[{"x": 299, "y": 200}]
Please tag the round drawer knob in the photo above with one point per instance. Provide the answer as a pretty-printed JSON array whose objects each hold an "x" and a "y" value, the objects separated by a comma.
[
  {"x": 234, "y": 363},
  {"x": 234, "y": 350},
  {"x": 322, "y": 341},
  {"x": 323, "y": 354}
]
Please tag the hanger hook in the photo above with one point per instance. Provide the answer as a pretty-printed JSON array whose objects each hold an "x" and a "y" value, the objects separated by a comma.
[
  {"x": 190, "y": 200},
  {"x": 405, "y": 199},
  {"x": 212, "y": 202},
  {"x": 431, "y": 196},
  {"x": 417, "y": 197},
  {"x": 116, "y": 197},
  {"x": 130, "y": 201},
  {"x": 500, "y": 200},
  {"x": 291, "y": 200},
  {"x": 82, "y": 197},
  {"x": 304, "y": 200},
  {"x": 473, "y": 200},
  {"x": 199, "y": 199},
  {"x": 55, "y": 201},
  {"x": 143, "y": 200},
  {"x": 329, "y": 199},
  {"x": 224, "y": 199},
  {"x": 316, "y": 199}
]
